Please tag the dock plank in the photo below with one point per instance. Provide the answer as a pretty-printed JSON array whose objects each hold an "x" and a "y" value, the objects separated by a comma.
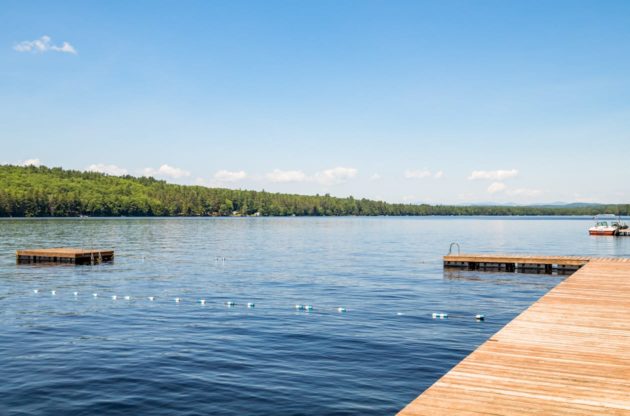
[{"x": 568, "y": 354}]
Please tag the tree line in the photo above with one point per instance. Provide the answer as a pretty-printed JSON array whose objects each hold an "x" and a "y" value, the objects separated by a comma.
[{"x": 30, "y": 191}]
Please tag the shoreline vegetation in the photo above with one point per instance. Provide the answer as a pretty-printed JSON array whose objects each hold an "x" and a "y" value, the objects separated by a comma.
[{"x": 39, "y": 191}]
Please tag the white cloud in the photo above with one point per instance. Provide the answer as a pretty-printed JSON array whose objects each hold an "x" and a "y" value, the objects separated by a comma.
[
  {"x": 577, "y": 197},
  {"x": 65, "y": 47},
  {"x": 494, "y": 175},
  {"x": 228, "y": 176},
  {"x": 423, "y": 173},
  {"x": 375, "y": 177},
  {"x": 278, "y": 175},
  {"x": 496, "y": 187},
  {"x": 500, "y": 187},
  {"x": 166, "y": 171},
  {"x": 524, "y": 192},
  {"x": 108, "y": 169},
  {"x": 30, "y": 162},
  {"x": 44, "y": 44},
  {"x": 335, "y": 175},
  {"x": 331, "y": 176},
  {"x": 418, "y": 174},
  {"x": 410, "y": 198}
]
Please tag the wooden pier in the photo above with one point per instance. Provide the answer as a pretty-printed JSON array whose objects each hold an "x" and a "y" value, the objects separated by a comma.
[
  {"x": 514, "y": 263},
  {"x": 567, "y": 354},
  {"x": 64, "y": 255}
]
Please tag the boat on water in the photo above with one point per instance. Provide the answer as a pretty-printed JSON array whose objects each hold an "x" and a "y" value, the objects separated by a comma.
[{"x": 607, "y": 224}]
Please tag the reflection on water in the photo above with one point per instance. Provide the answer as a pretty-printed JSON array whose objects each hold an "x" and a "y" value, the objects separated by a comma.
[
  {"x": 536, "y": 279},
  {"x": 85, "y": 355}
]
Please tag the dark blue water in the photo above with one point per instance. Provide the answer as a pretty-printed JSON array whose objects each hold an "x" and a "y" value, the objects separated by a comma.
[{"x": 86, "y": 355}]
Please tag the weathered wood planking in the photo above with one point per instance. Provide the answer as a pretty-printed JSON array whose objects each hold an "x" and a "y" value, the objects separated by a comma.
[
  {"x": 64, "y": 255},
  {"x": 514, "y": 262},
  {"x": 568, "y": 354},
  {"x": 518, "y": 258}
]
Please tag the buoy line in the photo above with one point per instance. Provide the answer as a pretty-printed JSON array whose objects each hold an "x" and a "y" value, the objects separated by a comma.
[{"x": 298, "y": 307}]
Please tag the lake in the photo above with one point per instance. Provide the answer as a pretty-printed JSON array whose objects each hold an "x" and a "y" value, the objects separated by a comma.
[{"x": 85, "y": 355}]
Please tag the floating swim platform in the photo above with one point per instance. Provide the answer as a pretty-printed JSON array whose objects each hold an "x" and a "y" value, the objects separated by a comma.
[{"x": 64, "y": 255}]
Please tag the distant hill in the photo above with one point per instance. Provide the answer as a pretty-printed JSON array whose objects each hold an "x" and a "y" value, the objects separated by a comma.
[
  {"x": 547, "y": 205},
  {"x": 570, "y": 205},
  {"x": 45, "y": 192}
]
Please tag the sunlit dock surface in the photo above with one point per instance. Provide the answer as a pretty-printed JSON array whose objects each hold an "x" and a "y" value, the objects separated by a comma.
[
  {"x": 64, "y": 255},
  {"x": 567, "y": 354},
  {"x": 515, "y": 262}
]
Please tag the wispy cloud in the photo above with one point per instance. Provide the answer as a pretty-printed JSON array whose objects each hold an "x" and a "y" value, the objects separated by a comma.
[
  {"x": 283, "y": 176},
  {"x": 375, "y": 177},
  {"x": 502, "y": 188},
  {"x": 496, "y": 187},
  {"x": 30, "y": 162},
  {"x": 493, "y": 175},
  {"x": 417, "y": 174},
  {"x": 44, "y": 44},
  {"x": 331, "y": 176},
  {"x": 166, "y": 171},
  {"x": 422, "y": 173},
  {"x": 108, "y": 169},
  {"x": 335, "y": 175},
  {"x": 408, "y": 199},
  {"x": 229, "y": 176},
  {"x": 525, "y": 192}
]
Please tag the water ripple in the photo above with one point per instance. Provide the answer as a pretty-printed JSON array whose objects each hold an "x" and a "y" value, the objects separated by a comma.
[{"x": 81, "y": 355}]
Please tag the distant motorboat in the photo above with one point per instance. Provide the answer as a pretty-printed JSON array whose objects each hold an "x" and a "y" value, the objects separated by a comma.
[{"x": 607, "y": 224}]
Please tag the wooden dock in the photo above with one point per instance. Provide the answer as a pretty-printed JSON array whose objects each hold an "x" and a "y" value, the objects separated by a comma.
[
  {"x": 64, "y": 255},
  {"x": 567, "y": 354},
  {"x": 515, "y": 262}
]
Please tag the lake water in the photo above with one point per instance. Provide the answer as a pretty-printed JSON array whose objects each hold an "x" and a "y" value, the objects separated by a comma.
[{"x": 83, "y": 355}]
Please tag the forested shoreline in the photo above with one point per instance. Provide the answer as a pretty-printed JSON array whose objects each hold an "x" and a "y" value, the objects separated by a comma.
[{"x": 55, "y": 192}]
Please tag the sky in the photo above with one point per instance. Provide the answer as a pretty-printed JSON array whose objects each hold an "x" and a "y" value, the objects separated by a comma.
[{"x": 453, "y": 102}]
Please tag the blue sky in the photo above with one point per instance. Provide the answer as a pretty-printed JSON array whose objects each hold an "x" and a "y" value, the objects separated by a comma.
[{"x": 415, "y": 101}]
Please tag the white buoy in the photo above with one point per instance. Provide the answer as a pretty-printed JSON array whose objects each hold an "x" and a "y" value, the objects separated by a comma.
[
  {"x": 76, "y": 293},
  {"x": 399, "y": 313},
  {"x": 202, "y": 301},
  {"x": 35, "y": 290},
  {"x": 439, "y": 315},
  {"x": 341, "y": 309},
  {"x": 114, "y": 297},
  {"x": 95, "y": 295},
  {"x": 230, "y": 303},
  {"x": 151, "y": 298},
  {"x": 127, "y": 297},
  {"x": 480, "y": 317},
  {"x": 299, "y": 307},
  {"x": 53, "y": 292},
  {"x": 308, "y": 307},
  {"x": 177, "y": 300},
  {"x": 251, "y": 305}
]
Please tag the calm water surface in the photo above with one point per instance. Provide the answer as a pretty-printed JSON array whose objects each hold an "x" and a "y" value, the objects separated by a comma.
[{"x": 86, "y": 355}]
